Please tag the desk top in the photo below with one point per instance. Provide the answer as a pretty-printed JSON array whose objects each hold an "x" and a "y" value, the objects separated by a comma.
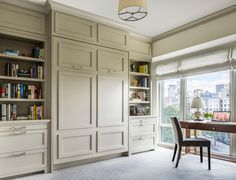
[{"x": 228, "y": 127}]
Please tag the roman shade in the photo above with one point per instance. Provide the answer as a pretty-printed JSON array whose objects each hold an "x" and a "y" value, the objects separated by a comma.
[
  {"x": 206, "y": 62},
  {"x": 233, "y": 57}
]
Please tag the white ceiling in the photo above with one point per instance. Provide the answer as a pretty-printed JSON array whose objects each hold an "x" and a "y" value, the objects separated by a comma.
[{"x": 163, "y": 16}]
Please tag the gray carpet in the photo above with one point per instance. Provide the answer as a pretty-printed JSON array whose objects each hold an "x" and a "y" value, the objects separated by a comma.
[{"x": 154, "y": 165}]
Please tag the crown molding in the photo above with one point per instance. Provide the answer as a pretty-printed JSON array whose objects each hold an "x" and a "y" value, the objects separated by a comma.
[
  {"x": 196, "y": 22},
  {"x": 27, "y": 5},
  {"x": 92, "y": 17},
  {"x": 224, "y": 42}
]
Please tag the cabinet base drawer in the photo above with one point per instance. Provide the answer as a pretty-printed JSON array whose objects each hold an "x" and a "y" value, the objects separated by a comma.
[
  {"x": 22, "y": 162},
  {"x": 143, "y": 143}
]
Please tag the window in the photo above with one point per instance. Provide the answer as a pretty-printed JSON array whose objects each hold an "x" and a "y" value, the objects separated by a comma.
[
  {"x": 214, "y": 90},
  {"x": 170, "y": 106}
]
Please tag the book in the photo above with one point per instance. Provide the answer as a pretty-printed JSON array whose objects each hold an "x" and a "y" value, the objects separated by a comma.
[{"x": 3, "y": 112}]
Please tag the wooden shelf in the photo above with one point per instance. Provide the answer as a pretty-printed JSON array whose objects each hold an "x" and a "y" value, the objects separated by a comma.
[
  {"x": 139, "y": 88},
  {"x": 138, "y": 74},
  {"x": 21, "y": 58},
  {"x": 139, "y": 102},
  {"x": 20, "y": 100},
  {"x": 21, "y": 79}
]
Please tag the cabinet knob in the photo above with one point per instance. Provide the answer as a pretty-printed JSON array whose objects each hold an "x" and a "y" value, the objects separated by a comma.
[{"x": 214, "y": 128}]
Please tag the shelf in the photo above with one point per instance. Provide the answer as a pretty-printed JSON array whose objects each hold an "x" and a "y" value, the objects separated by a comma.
[
  {"x": 139, "y": 88},
  {"x": 21, "y": 79},
  {"x": 139, "y": 102},
  {"x": 21, "y": 58},
  {"x": 20, "y": 100},
  {"x": 138, "y": 74},
  {"x": 25, "y": 121}
]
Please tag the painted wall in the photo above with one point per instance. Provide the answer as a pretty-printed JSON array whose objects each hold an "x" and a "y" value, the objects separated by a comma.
[{"x": 207, "y": 31}]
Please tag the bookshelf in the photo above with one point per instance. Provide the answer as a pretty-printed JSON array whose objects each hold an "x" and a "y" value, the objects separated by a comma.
[
  {"x": 140, "y": 88},
  {"x": 22, "y": 82}
]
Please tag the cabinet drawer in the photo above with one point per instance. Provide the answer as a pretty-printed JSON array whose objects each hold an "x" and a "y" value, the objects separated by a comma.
[
  {"x": 112, "y": 37},
  {"x": 22, "y": 127},
  {"x": 21, "y": 162},
  {"x": 23, "y": 140},
  {"x": 112, "y": 61},
  {"x": 75, "y": 27},
  {"x": 74, "y": 54},
  {"x": 76, "y": 144},
  {"x": 12, "y": 17},
  {"x": 143, "y": 128},
  {"x": 111, "y": 140},
  {"x": 141, "y": 143}
]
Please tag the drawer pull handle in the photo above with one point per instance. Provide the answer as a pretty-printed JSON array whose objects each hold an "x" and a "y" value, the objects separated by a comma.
[
  {"x": 214, "y": 128},
  {"x": 142, "y": 138},
  {"x": 17, "y": 133},
  {"x": 19, "y": 128},
  {"x": 16, "y": 155},
  {"x": 75, "y": 66},
  {"x": 142, "y": 124}
]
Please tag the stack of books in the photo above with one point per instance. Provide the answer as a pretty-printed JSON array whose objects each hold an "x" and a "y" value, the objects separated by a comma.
[
  {"x": 36, "y": 112},
  {"x": 8, "y": 112},
  {"x": 11, "y": 90}
]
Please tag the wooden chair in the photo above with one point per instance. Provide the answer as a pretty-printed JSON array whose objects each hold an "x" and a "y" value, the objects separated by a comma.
[{"x": 191, "y": 142}]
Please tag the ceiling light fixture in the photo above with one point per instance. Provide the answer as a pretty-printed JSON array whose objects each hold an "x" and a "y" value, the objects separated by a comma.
[{"x": 132, "y": 10}]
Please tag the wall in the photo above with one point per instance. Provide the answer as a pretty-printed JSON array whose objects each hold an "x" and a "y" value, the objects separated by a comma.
[{"x": 211, "y": 29}]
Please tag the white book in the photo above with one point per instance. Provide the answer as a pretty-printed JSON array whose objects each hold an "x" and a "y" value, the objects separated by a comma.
[{"x": 4, "y": 112}]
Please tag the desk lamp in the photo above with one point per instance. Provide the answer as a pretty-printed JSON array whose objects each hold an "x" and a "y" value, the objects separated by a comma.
[{"x": 197, "y": 103}]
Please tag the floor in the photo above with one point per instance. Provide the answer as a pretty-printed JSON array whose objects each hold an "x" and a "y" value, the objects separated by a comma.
[{"x": 154, "y": 165}]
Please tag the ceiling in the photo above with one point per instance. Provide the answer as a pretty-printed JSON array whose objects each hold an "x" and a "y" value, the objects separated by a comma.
[{"x": 164, "y": 15}]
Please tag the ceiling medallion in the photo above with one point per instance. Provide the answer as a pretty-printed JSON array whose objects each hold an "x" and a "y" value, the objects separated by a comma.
[{"x": 132, "y": 10}]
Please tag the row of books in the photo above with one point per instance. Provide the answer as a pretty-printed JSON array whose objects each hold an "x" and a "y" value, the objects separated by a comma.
[
  {"x": 141, "y": 82},
  {"x": 12, "y": 69},
  {"x": 8, "y": 112},
  {"x": 144, "y": 68},
  {"x": 36, "y": 112},
  {"x": 11, "y": 90}
]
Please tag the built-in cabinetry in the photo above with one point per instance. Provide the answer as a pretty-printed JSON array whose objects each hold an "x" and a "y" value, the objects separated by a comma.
[
  {"x": 142, "y": 124},
  {"x": 23, "y": 147},
  {"x": 91, "y": 89},
  {"x": 23, "y": 92}
]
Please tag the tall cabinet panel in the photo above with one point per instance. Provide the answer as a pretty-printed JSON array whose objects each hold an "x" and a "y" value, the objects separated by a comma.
[{"x": 76, "y": 100}]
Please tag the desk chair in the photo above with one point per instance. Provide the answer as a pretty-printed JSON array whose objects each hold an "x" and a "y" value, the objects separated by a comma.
[{"x": 191, "y": 142}]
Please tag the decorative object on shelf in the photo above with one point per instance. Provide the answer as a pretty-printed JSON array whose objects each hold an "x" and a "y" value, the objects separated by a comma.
[
  {"x": 197, "y": 103},
  {"x": 208, "y": 116},
  {"x": 11, "y": 52},
  {"x": 134, "y": 82},
  {"x": 132, "y": 10},
  {"x": 139, "y": 110}
]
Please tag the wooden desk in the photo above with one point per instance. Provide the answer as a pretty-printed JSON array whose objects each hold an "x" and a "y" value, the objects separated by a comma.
[{"x": 228, "y": 127}]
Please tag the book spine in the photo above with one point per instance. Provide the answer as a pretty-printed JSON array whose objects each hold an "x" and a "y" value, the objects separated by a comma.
[
  {"x": 14, "y": 112},
  {"x": 4, "y": 112}
]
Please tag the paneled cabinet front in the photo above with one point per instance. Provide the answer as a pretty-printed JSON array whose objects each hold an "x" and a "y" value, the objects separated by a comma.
[
  {"x": 73, "y": 54},
  {"x": 112, "y": 105},
  {"x": 112, "y": 61},
  {"x": 76, "y": 100}
]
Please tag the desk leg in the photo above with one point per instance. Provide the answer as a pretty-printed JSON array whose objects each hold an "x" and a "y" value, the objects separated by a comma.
[{"x": 187, "y": 131}]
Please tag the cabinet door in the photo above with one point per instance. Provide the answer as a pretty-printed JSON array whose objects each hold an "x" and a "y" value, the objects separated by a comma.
[
  {"x": 140, "y": 50},
  {"x": 112, "y": 61},
  {"x": 76, "y": 100},
  {"x": 76, "y": 144},
  {"x": 112, "y": 37},
  {"x": 112, "y": 106},
  {"x": 74, "y": 54},
  {"x": 75, "y": 27}
]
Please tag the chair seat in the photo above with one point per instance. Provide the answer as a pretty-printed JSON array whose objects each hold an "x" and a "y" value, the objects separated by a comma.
[{"x": 196, "y": 142}]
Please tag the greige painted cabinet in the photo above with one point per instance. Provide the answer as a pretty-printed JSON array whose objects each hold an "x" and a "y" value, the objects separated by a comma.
[
  {"x": 17, "y": 19},
  {"x": 112, "y": 37},
  {"x": 76, "y": 100},
  {"x": 73, "y": 54},
  {"x": 74, "y": 27},
  {"x": 112, "y": 61},
  {"x": 140, "y": 50}
]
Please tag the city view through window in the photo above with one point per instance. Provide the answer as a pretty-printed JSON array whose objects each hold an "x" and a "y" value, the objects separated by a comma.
[{"x": 213, "y": 88}]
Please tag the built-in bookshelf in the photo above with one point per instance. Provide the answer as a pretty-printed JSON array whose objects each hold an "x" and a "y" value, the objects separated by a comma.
[
  {"x": 140, "y": 88},
  {"x": 22, "y": 80}
]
